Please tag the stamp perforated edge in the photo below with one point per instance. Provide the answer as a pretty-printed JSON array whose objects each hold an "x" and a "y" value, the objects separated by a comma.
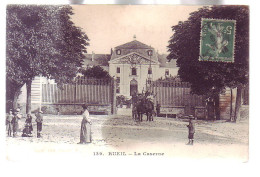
[{"x": 234, "y": 44}]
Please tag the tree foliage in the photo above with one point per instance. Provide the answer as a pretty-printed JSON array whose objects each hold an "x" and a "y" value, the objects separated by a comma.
[
  {"x": 96, "y": 72},
  {"x": 170, "y": 79},
  {"x": 42, "y": 41},
  {"x": 210, "y": 77}
]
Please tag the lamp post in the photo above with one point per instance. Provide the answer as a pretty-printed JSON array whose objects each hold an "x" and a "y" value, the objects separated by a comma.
[{"x": 149, "y": 78}]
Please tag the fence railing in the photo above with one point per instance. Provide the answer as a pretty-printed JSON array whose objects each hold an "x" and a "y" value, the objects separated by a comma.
[
  {"x": 92, "y": 91},
  {"x": 176, "y": 94}
]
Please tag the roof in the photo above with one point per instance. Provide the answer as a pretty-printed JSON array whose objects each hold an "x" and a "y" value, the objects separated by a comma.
[
  {"x": 99, "y": 59},
  {"x": 162, "y": 58},
  {"x": 134, "y": 45}
]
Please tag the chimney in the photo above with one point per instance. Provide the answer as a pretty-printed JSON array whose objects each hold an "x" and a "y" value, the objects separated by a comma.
[
  {"x": 134, "y": 37},
  {"x": 93, "y": 56}
]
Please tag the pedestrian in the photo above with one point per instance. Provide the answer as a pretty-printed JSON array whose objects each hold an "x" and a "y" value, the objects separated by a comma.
[
  {"x": 9, "y": 118},
  {"x": 39, "y": 120},
  {"x": 17, "y": 116},
  {"x": 158, "y": 109},
  {"x": 191, "y": 128},
  {"x": 29, "y": 123},
  {"x": 27, "y": 131},
  {"x": 85, "y": 130}
]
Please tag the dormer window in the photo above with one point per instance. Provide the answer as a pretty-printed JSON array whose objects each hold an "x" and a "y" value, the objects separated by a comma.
[
  {"x": 118, "y": 52},
  {"x": 149, "y": 52}
]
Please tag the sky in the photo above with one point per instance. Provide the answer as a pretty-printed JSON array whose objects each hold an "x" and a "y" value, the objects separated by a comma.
[{"x": 108, "y": 26}]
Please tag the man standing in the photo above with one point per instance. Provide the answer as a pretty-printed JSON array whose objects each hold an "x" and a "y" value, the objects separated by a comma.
[
  {"x": 191, "y": 128},
  {"x": 9, "y": 118},
  {"x": 39, "y": 120},
  {"x": 158, "y": 109},
  {"x": 15, "y": 120}
]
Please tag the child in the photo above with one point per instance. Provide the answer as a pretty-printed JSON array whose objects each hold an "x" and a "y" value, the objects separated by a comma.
[
  {"x": 191, "y": 128},
  {"x": 39, "y": 119},
  {"x": 9, "y": 118}
]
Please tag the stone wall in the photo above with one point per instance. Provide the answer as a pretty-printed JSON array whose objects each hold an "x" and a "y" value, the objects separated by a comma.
[{"x": 68, "y": 109}]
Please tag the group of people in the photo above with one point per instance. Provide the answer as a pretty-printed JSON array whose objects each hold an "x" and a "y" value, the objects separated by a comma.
[
  {"x": 13, "y": 117},
  {"x": 12, "y": 123}
]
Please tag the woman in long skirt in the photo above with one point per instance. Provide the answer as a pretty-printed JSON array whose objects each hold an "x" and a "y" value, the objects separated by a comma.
[
  {"x": 85, "y": 130},
  {"x": 27, "y": 131}
]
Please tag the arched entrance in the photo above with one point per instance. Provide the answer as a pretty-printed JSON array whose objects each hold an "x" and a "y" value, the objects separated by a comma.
[{"x": 133, "y": 87}]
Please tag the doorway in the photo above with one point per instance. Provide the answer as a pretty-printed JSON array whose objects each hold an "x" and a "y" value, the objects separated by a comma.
[{"x": 133, "y": 87}]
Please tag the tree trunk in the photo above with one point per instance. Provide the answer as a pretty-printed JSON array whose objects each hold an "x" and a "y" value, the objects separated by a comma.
[
  {"x": 216, "y": 107},
  {"x": 238, "y": 104},
  {"x": 231, "y": 104},
  {"x": 16, "y": 96},
  {"x": 28, "y": 96}
]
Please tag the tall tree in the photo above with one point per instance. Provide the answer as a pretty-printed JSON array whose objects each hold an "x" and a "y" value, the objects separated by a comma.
[
  {"x": 41, "y": 41},
  {"x": 211, "y": 77}
]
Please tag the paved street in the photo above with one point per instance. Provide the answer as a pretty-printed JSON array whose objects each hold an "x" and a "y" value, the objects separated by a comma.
[{"x": 121, "y": 134}]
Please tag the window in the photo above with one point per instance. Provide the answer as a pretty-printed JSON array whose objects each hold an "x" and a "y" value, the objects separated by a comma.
[
  {"x": 149, "y": 81},
  {"x": 118, "y": 52},
  {"x": 118, "y": 70},
  {"x": 167, "y": 72},
  {"x": 118, "y": 90},
  {"x": 149, "y": 52},
  {"x": 134, "y": 71},
  {"x": 118, "y": 80},
  {"x": 149, "y": 70}
]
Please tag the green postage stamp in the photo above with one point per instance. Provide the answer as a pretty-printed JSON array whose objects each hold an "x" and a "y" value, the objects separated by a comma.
[{"x": 217, "y": 41}]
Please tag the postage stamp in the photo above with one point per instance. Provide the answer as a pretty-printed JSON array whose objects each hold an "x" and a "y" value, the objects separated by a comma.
[{"x": 217, "y": 40}]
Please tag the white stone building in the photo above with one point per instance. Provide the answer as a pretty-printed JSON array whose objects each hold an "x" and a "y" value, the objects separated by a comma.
[{"x": 134, "y": 64}]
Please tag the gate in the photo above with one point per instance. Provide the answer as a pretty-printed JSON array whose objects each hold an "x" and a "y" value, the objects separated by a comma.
[{"x": 175, "y": 97}]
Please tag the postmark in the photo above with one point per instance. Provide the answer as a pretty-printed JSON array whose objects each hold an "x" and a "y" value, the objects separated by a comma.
[{"x": 217, "y": 40}]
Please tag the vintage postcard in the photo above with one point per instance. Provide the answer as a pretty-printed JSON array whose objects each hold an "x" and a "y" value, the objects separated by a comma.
[{"x": 127, "y": 80}]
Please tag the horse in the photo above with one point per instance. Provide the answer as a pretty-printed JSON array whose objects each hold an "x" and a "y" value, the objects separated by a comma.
[
  {"x": 145, "y": 106},
  {"x": 134, "y": 112}
]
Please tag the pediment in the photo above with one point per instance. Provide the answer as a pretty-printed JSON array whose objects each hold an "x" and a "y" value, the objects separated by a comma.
[{"x": 132, "y": 58}]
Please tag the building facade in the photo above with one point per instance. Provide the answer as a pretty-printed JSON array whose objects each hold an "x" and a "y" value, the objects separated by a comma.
[{"x": 134, "y": 65}]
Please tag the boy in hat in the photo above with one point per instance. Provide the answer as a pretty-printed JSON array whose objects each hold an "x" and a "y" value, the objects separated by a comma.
[
  {"x": 191, "y": 128},
  {"x": 39, "y": 120},
  {"x": 9, "y": 118}
]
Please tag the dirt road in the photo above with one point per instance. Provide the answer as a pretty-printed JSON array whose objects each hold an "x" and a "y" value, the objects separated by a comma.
[{"x": 121, "y": 136}]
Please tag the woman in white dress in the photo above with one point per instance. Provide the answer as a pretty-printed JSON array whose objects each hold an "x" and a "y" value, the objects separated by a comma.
[{"x": 85, "y": 130}]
